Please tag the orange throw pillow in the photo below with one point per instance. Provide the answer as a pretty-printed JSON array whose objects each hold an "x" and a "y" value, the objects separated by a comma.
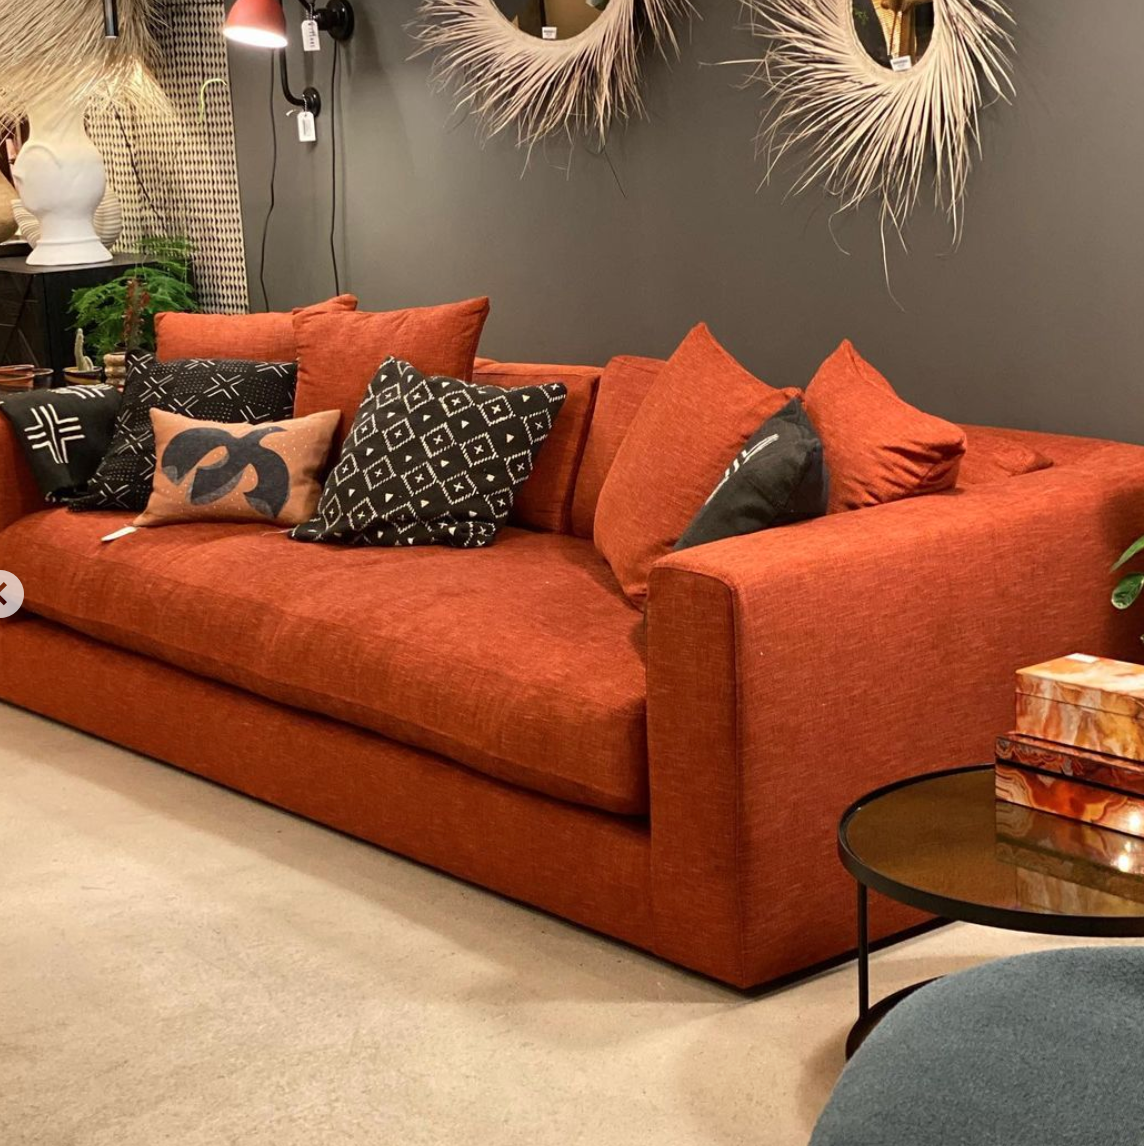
[
  {"x": 623, "y": 387},
  {"x": 338, "y": 354},
  {"x": 250, "y": 337},
  {"x": 697, "y": 416},
  {"x": 233, "y": 471},
  {"x": 878, "y": 448}
]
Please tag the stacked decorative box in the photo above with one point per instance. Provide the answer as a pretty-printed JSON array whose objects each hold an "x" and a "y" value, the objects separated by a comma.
[{"x": 1078, "y": 748}]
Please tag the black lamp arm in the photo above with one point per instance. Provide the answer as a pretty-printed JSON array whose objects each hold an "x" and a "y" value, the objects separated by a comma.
[{"x": 309, "y": 100}]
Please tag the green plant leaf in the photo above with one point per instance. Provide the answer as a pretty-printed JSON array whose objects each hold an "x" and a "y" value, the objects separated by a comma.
[
  {"x": 1136, "y": 547},
  {"x": 166, "y": 280},
  {"x": 1128, "y": 590}
]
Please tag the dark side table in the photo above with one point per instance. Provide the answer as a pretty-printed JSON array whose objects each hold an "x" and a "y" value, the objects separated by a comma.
[
  {"x": 942, "y": 843},
  {"x": 35, "y": 309}
]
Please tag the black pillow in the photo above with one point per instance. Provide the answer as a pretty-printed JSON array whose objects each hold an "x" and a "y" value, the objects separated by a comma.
[
  {"x": 209, "y": 390},
  {"x": 778, "y": 478},
  {"x": 64, "y": 434},
  {"x": 432, "y": 461}
]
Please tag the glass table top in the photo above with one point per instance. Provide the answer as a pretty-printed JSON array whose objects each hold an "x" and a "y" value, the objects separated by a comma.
[{"x": 945, "y": 844}]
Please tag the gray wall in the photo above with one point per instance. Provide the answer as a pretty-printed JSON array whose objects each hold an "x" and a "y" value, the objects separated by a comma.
[{"x": 1036, "y": 321}]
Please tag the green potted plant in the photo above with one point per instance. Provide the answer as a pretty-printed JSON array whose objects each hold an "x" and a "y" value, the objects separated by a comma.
[
  {"x": 118, "y": 316},
  {"x": 1129, "y": 586}
]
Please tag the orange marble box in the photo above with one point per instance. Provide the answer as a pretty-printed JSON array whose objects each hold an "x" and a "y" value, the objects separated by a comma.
[
  {"x": 1080, "y": 764},
  {"x": 1062, "y": 797},
  {"x": 1089, "y": 702}
]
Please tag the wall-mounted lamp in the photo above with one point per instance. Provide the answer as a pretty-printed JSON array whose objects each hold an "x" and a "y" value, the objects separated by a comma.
[{"x": 262, "y": 24}]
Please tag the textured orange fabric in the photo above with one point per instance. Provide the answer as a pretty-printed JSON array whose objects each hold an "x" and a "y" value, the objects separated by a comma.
[
  {"x": 791, "y": 671},
  {"x": 994, "y": 455},
  {"x": 522, "y": 660},
  {"x": 584, "y": 865},
  {"x": 878, "y": 448},
  {"x": 253, "y": 337},
  {"x": 19, "y": 493},
  {"x": 623, "y": 387},
  {"x": 1060, "y": 449},
  {"x": 338, "y": 354},
  {"x": 696, "y": 417},
  {"x": 545, "y": 500},
  {"x": 296, "y": 451}
]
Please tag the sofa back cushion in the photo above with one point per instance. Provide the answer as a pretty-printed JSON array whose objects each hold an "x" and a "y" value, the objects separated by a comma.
[
  {"x": 697, "y": 416},
  {"x": 253, "y": 337},
  {"x": 338, "y": 354},
  {"x": 623, "y": 386},
  {"x": 545, "y": 500},
  {"x": 878, "y": 447},
  {"x": 994, "y": 455}
]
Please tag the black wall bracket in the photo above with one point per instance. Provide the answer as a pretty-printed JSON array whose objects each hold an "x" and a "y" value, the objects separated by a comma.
[{"x": 336, "y": 19}]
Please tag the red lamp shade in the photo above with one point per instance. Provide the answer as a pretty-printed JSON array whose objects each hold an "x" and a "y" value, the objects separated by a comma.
[{"x": 260, "y": 23}]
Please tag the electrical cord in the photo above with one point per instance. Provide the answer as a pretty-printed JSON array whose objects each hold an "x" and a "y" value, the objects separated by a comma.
[
  {"x": 160, "y": 216},
  {"x": 334, "y": 169},
  {"x": 273, "y": 180}
]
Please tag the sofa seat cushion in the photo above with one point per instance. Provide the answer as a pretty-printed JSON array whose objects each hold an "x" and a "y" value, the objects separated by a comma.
[{"x": 522, "y": 661}]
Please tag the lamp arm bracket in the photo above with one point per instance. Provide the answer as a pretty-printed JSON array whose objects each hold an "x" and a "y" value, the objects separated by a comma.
[{"x": 309, "y": 100}]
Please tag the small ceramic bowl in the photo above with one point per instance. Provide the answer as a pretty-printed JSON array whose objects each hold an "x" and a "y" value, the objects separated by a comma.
[
  {"x": 25, "y": 377},
  {"x": 74, "y": 377}
]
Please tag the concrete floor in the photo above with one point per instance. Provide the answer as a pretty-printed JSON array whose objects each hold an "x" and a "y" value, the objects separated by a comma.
[{"x": 179, "y": 964}]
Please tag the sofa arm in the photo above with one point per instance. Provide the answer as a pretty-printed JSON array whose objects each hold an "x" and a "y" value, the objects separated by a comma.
[
  {"x": 19, "y": 494},
  {"x": 790, "y": 672}
]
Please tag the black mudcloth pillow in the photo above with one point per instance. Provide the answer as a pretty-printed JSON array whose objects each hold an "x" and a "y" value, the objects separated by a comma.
[
  {"x": 432, "y": 461},
  {"x": 64, "y": 434},
  {"x": 209, "y": 390},
  {"x": 778, "y": 478}
]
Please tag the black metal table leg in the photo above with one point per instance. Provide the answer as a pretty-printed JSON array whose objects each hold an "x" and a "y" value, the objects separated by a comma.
[{"x": 869, "y": 1017}]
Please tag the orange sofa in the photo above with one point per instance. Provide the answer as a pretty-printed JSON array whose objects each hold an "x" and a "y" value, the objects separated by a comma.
[{"x": 507, "y": 716}]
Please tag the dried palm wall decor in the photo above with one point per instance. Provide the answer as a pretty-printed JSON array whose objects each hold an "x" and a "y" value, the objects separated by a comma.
[
  {"x": 54, "y": 51},
  {"x": 536, "y": 86},
  {"x": 863, "y": 129}
]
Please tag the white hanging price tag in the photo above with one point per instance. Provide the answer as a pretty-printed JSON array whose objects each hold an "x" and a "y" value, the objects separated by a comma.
[
  {"x": 311, "y": 40},
  {"x": 902, "y": 63},
  {"x": 548, "y": 32},
  {"x": 307, "y": 127}
]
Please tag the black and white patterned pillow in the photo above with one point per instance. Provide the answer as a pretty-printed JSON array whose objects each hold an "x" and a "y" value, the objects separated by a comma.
[
  {"x": 432, "y": 461},
  {"x": 64, "y": 433},
  {"x": 209, "y": 390}
]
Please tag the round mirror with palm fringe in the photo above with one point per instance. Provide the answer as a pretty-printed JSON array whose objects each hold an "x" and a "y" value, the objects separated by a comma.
[
  {"x": 876, "y": 94},
  {"x": 542, "y": 67}
]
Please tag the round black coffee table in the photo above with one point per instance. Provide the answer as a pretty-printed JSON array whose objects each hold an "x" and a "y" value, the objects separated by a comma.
[{"x": 942, "y": 843}]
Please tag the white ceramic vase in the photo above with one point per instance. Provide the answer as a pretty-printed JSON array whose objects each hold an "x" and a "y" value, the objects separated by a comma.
[
  {"x": 108, "y": 220},
  {"x": 59, "y": 175}
]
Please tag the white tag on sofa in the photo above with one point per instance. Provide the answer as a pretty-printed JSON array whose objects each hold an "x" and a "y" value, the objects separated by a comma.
[{"x": 126, "y": 531}]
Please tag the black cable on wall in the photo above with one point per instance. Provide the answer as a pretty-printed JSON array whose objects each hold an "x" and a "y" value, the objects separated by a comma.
[
  {"x": 273, "y": 180},
  {"x": 334, "y": 168}
]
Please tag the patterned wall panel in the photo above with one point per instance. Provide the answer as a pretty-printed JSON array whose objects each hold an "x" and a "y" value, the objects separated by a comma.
[{"x": 181, "y": 177}]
